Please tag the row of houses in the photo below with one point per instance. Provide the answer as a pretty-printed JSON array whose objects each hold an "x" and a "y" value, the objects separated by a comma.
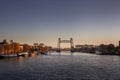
[
  {"x": 10, "y": 47},
  {"x": 14, "y": 47}
]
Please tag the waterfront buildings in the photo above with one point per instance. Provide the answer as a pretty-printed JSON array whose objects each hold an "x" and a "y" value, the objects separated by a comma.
[
  {"x": 84, "y": 48},
  {"x": 109, "y": 49},
  {"x": 14, "y": 47}
]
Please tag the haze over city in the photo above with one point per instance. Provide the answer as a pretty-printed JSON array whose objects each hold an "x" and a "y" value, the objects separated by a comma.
[{"x": 86, "y": 21}]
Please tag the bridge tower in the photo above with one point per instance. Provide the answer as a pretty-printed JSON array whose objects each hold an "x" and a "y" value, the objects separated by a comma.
[{"x": 65, "y": 41}]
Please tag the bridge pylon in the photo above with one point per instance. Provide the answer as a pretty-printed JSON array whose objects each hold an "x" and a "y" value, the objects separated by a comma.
[{"x": 65, "y": 41}]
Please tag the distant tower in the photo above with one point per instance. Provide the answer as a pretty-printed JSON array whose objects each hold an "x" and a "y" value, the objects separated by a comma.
[
  {"x": 11, "y": 41},
  {"x": 58, "y": 45},
  {"x": 72, "y": 44},
  {"x": 119, "y": 44}
]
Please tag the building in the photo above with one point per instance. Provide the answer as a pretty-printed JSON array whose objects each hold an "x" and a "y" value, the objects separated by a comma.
[{"x": 84, "y": 48}]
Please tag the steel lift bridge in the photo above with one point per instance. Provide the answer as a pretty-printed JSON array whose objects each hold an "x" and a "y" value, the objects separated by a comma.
[{"x": 65, "y": 41}]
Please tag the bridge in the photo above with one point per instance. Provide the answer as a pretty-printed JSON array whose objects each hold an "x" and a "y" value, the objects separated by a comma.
[{"x": 65, "y": 41}]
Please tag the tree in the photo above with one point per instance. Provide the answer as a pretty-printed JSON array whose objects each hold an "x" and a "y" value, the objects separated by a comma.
[
  {"x": 42, "y": 47},
  {"x": 111, "y": 49},
  {"x": 35, "y": 46},
  {"x": 27, "y": 47}
]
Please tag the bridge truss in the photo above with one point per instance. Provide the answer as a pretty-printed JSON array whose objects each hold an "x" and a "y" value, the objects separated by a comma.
[{"x": 65, "y": 41}]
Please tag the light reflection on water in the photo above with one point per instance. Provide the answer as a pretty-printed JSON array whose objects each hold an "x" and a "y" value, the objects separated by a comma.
[{"x": 61, "y": 66}]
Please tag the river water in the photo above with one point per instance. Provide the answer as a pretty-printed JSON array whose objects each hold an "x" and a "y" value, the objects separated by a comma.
[{"x": 61, "y": 66}]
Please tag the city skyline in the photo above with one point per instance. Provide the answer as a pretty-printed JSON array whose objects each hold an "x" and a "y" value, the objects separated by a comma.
[{"x": 44, "y": 21}]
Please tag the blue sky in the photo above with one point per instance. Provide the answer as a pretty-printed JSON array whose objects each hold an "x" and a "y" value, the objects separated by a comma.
[{"x": 87, "y": 21}]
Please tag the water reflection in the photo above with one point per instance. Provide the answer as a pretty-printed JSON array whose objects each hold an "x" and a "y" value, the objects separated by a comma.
[
  {"x": 61, "y": 66},
  {"x": 20, "y": 58},
  {"x": 63, "y": 53}
]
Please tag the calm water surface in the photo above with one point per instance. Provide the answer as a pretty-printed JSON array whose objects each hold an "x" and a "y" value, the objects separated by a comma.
[{"x": 63, "y": 66}]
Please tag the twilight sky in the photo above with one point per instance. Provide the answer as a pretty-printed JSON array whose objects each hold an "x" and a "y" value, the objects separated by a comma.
[{"x": 86, "y": 21}]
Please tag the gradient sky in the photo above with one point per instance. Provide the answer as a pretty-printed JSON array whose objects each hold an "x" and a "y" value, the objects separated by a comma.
[{"x": 86, "y": 21}]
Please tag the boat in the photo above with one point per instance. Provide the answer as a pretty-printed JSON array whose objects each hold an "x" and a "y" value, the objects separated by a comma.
[
  {"x": 1, "y": 55},
  {"x": 22, "y": 54},
  {"x": 8, "y": 55},
  {"x": 36, "y": 52},
  {"x": 44, "y": 53},
  {"x": 25, "y": 53},
  {"x": 32, "y": 54},
  {"x": 98, "y": 52}
]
